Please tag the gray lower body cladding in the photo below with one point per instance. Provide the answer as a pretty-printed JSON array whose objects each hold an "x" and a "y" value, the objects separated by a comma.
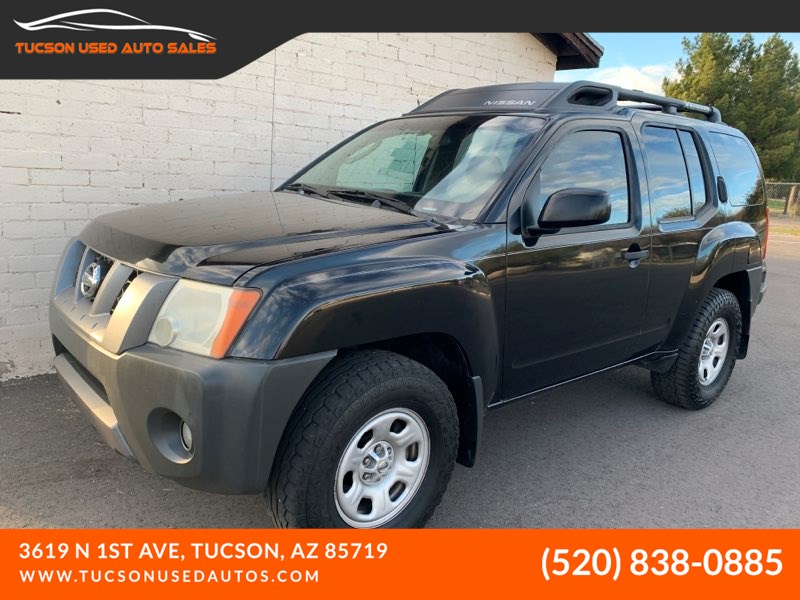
[{"x": 237, "y": 409}]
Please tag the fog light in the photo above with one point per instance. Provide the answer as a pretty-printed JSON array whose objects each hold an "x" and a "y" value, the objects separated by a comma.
[{"x": 186, "y": 436}]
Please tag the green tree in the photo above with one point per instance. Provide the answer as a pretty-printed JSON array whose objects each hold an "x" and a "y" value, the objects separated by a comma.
[{"x": 756, "y": 87}]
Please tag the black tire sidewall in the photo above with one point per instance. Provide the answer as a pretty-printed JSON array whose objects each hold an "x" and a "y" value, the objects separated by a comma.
[
  {"x": 434, "y": 406},
  {"x": 708, "y": 393}
]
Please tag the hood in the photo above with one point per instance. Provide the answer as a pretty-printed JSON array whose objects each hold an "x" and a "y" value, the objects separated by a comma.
[{"x": 219, "y": 239}]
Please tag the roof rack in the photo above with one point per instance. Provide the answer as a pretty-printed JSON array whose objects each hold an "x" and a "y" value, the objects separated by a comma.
[
  {"x": 582, "y": 95},
  {"x": 669, "y": 105}
]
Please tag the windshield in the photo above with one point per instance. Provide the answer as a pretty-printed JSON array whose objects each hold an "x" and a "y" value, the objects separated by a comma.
[{"x": 448, "y": 166}]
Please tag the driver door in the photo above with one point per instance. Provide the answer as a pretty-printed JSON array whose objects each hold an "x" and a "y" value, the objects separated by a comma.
[{"x": 575, "y": 298}]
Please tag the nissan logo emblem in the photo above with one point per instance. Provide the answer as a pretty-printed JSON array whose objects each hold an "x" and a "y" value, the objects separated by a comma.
[{"x": 91, "y": 279}]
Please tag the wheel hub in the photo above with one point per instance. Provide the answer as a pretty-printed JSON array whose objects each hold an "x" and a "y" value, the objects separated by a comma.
[{"x": 377, "y": 462}]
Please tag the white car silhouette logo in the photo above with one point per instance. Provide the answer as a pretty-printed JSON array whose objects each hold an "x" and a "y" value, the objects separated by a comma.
[{"x": 76, "y": 20}]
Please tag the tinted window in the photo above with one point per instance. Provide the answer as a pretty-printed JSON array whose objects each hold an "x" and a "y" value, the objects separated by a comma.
[
  {"x": 739, "y": 168},
  {"x": 667, "y": 176},
  {"x": 695, "y": 168},
  {"x": 589, "y": 159}
]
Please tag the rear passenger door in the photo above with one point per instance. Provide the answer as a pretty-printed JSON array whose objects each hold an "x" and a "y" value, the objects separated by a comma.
[{"x": 683, "y": 208}]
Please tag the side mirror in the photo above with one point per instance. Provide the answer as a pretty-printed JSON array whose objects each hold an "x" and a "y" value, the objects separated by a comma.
[{"x": 571, "y": 207}]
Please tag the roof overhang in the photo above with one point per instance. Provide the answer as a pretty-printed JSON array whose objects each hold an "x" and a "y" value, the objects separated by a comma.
[{"x": 572, "y": 50}]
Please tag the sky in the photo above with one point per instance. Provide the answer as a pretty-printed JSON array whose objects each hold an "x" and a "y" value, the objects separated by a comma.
[{"x": 642, "y": 60}]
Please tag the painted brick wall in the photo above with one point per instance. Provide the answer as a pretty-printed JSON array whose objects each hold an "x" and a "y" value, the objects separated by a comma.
[{"x": 71, "y": 150}]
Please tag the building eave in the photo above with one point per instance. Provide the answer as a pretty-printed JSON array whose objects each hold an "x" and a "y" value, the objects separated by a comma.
[{"x": 572, "y": 50}]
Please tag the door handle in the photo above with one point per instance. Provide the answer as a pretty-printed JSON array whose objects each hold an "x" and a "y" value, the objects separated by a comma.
[{"x": 634, "y": 255}]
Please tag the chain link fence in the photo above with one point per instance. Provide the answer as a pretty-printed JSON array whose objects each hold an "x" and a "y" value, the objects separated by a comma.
[{"x": 784, "y": 197}]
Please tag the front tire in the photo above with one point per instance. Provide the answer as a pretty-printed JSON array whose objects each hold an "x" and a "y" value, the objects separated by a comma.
[
  {"x": 373, "y": 445},
  {"x": 707, "y": 356}
]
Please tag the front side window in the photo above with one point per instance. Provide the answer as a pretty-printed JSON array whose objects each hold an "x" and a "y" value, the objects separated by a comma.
[
  {"x": 449, "y": 166},
  {"x": 589, "y": 159}
]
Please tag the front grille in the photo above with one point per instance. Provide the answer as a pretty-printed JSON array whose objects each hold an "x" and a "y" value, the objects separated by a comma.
[
  {"x": 102, "y": 317},
  {"x": 90, "y": 257},
  {"x": 115, "y": 278},
  {"x": 134, "y": 274}
]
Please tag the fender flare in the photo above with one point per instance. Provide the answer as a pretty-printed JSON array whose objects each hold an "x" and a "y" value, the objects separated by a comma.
[
  {"x": 722, "y": 251},
  {"x": 363, "y": 304}
]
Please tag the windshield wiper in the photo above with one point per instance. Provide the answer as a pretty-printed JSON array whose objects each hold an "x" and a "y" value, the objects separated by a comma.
[
  {"x": 305, "y": 188},
  {"x": 376, "y": 198}
]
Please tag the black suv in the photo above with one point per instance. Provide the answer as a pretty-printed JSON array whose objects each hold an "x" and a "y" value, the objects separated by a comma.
[{"x": 336, "y": 343}]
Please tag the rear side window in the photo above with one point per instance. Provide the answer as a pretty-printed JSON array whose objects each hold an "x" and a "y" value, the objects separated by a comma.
[
  {"x": 697, "y": 183},
  {"x": 668, "y": 178},
  {"x": 739, "y": 167}
]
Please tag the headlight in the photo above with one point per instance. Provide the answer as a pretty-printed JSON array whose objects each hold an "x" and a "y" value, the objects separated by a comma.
[{"x": 202, "y": 318}]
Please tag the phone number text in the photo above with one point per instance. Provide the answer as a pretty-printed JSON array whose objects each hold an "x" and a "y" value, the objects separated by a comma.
[{"x": 610, "y": 562}]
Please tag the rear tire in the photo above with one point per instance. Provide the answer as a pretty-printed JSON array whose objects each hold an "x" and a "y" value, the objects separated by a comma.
[
  {"x": 707, "y": 356},
  {"x": 372, "y": 445}
]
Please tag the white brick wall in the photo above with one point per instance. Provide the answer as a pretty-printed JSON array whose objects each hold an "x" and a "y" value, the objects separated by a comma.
[{"x": 71, "y": 150}]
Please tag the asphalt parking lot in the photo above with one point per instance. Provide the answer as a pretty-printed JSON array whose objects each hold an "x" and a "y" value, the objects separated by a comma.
[{"x": 599, "y": 453}]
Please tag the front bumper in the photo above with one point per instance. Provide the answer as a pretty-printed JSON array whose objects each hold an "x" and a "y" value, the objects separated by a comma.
[{"x": 237, "y": 409}]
